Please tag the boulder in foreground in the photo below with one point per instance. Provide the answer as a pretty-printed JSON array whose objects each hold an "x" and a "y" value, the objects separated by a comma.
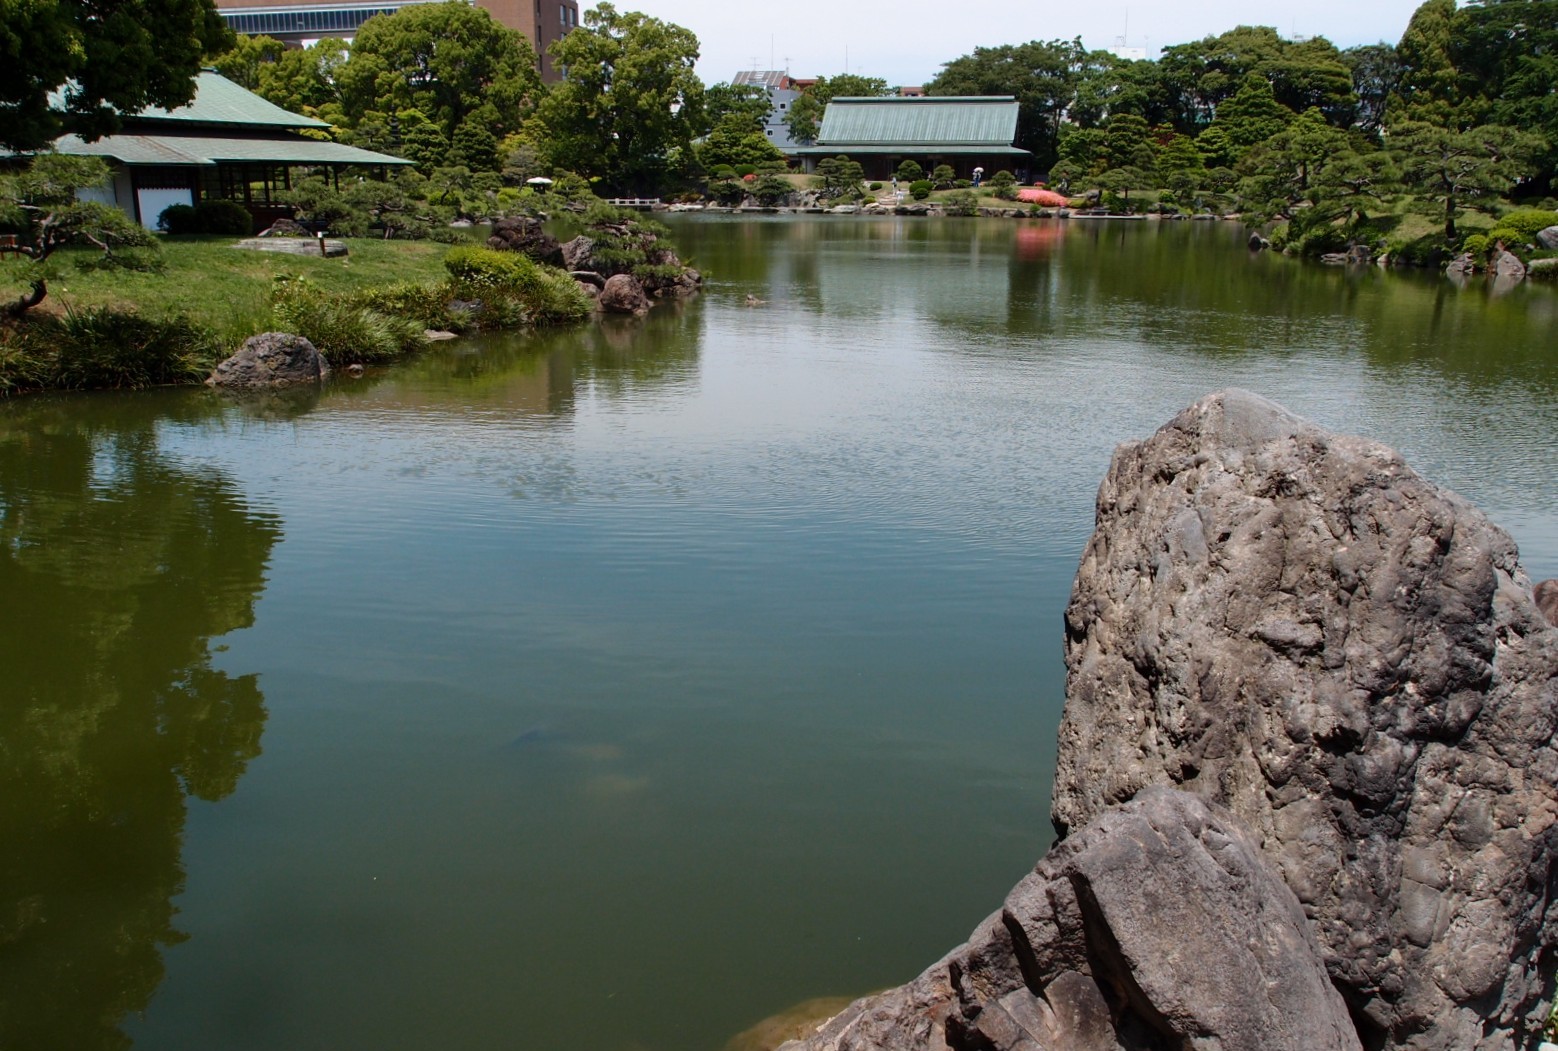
[
  {"x": 271, "y": 359},
  {"x": 1157, "y": 926},
  {"x": 1296, "y": 626}
]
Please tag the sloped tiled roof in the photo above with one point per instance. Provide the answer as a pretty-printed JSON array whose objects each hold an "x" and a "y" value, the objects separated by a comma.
[
  {"x": 174, "y": 148},
  {"x": 980, "y": 120},
  {"x": 220, "y": 101}
]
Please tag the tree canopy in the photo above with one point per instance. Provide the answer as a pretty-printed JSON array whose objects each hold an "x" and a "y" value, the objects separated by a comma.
[
  {"x": 450, "y": 62},
  {"x": 1042, "y": 76},
  {"x": 629, "y": 100},
  {"x": 102, "y": 60}
]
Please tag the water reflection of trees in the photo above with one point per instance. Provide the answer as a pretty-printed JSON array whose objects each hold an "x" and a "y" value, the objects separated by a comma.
[
  {"x": 117, "y": 567},
  {"x": 540, "y": 373}
]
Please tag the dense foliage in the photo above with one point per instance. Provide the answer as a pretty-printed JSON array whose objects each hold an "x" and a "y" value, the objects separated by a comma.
[{"x": 109, "y": 59}]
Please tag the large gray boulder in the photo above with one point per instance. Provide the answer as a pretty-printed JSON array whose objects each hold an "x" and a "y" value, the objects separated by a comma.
[
  {"x": 622, "y": 294},
  {"x": 1548, "y": 238},
  {"x": 271, "y": 359},
  {"x": 1506, "y": 264},
  {"x": 1158, "y": 926},
  {"x": 1294, "y": 625}
]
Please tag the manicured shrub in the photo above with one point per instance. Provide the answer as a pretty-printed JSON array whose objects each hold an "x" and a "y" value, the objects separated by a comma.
[
  {"x": 875, "y": 186},
  {"x": 772, "y": 190},
  {"x": 920, "y": 189},
  {"x": 1005, "y": 185},
  {"x": 943, "y": 177},
  {"x": 728, "y": 192},
  {"x": 1522, "y": 225},
  {"x": 179, "y": 219},
  {"x": 223, "y": 217},
  {"x": 910, "y": 171},
  {"x": 1477, "y": 245}
]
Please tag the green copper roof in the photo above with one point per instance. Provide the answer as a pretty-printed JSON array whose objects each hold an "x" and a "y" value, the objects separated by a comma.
[
  {"x": 174, "y": 148},
  {"x": 220, "y": 101},
  {"x": 920, "y": 122}
]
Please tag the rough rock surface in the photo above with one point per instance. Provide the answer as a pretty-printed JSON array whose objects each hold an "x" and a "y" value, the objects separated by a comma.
[
  {"x": 1547, "y": 600},
  {"x": 579, "y": 253},
  {"x": 271, "y": 359},
  {"x": 1506, "y": 264},
  {"x": 329, "y": 247},
  {"x": 1465, "y": 263},
  {"x": 524, "y": 234},
  {"x": 1548, "y": 238},
  {"x": 1296, "y": 626},
  {"x": 1158, "y": 926},
  {"x": 622, "y": 294}
]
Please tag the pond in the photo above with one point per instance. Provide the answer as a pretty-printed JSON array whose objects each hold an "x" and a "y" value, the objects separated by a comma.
[{"x": 616, "y": 688}]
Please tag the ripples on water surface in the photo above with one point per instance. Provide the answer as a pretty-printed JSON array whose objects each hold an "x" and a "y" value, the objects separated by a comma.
[{"x": 616, "y": 688}]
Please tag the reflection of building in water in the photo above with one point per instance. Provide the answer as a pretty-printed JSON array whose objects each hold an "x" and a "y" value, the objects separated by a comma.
[
  {"x": 120, "y": 567},
  {"x": 952, "y": 272}
]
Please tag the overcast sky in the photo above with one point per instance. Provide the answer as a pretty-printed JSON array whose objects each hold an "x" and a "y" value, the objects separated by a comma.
[{"x": 907, "y": 41}]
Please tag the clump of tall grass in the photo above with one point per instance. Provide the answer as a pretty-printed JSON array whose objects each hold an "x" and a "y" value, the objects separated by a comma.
[
  {"x": 345, "y": 332},
  {"x": 104, "y": 348},
  {"x": 513, "y": 288},
  {"x": 428, "y": 305}
]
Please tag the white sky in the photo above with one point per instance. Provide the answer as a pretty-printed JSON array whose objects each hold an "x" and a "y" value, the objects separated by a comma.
[{"x": 907, "y": 41}]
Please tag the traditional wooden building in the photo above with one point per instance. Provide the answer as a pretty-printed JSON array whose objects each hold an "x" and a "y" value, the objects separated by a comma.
[
  {"x": 228, "y": 144},
  {"x": 881, "y": 133}
]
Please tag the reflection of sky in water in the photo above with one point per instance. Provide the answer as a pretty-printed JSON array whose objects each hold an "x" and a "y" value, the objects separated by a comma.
[{"x": 627, "y": 686}]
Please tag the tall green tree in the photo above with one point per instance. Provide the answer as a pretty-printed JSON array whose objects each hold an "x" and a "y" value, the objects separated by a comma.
[
  {"x": 305, "y": 80},
  {"x": 1429, "y": 86},
  {"x": 248, "y": 56},
  {"x": 749, "y": 102},
  {"x": 629, "y": 100},
  {"x": 804, "y": 118},
  {"x": 734, "y": 142},
  {"x": 1507, "y": 54},
  {"x": 449, "y": 61},
  {"x": 1252, "y": 115},
  {"x": 1376, "y": 76},
  {"x": 1107, "y": 85},
  {"x": 1449, "y": 171},
  {"x": 1199, "y": 77},
  {"x": 111, "y": 59},
  {"x": 1283, "y": 172},
  {"x": 1042, "y": 76}
]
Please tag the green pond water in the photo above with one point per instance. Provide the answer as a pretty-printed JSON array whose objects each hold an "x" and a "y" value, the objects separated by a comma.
[{"x": 616, "y": 688}]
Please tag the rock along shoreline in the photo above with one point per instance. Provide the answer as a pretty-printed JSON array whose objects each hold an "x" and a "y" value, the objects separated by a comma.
[{"x": 1307, "y": 792}]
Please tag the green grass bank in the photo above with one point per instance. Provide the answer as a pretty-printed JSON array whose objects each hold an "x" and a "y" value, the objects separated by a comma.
[{"x": 199, "y": 298}]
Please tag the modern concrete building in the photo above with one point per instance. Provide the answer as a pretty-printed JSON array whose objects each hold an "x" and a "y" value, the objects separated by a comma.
[
  {"x": 781, "y": 93},
  {"x": 300, "y": 22}
]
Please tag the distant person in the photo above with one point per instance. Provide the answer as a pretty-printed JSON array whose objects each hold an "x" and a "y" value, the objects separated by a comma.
[{"x": 979, "y": 176}]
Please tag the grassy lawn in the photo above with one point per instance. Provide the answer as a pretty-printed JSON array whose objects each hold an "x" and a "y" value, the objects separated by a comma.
[{"x": 222, "y": 287}]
